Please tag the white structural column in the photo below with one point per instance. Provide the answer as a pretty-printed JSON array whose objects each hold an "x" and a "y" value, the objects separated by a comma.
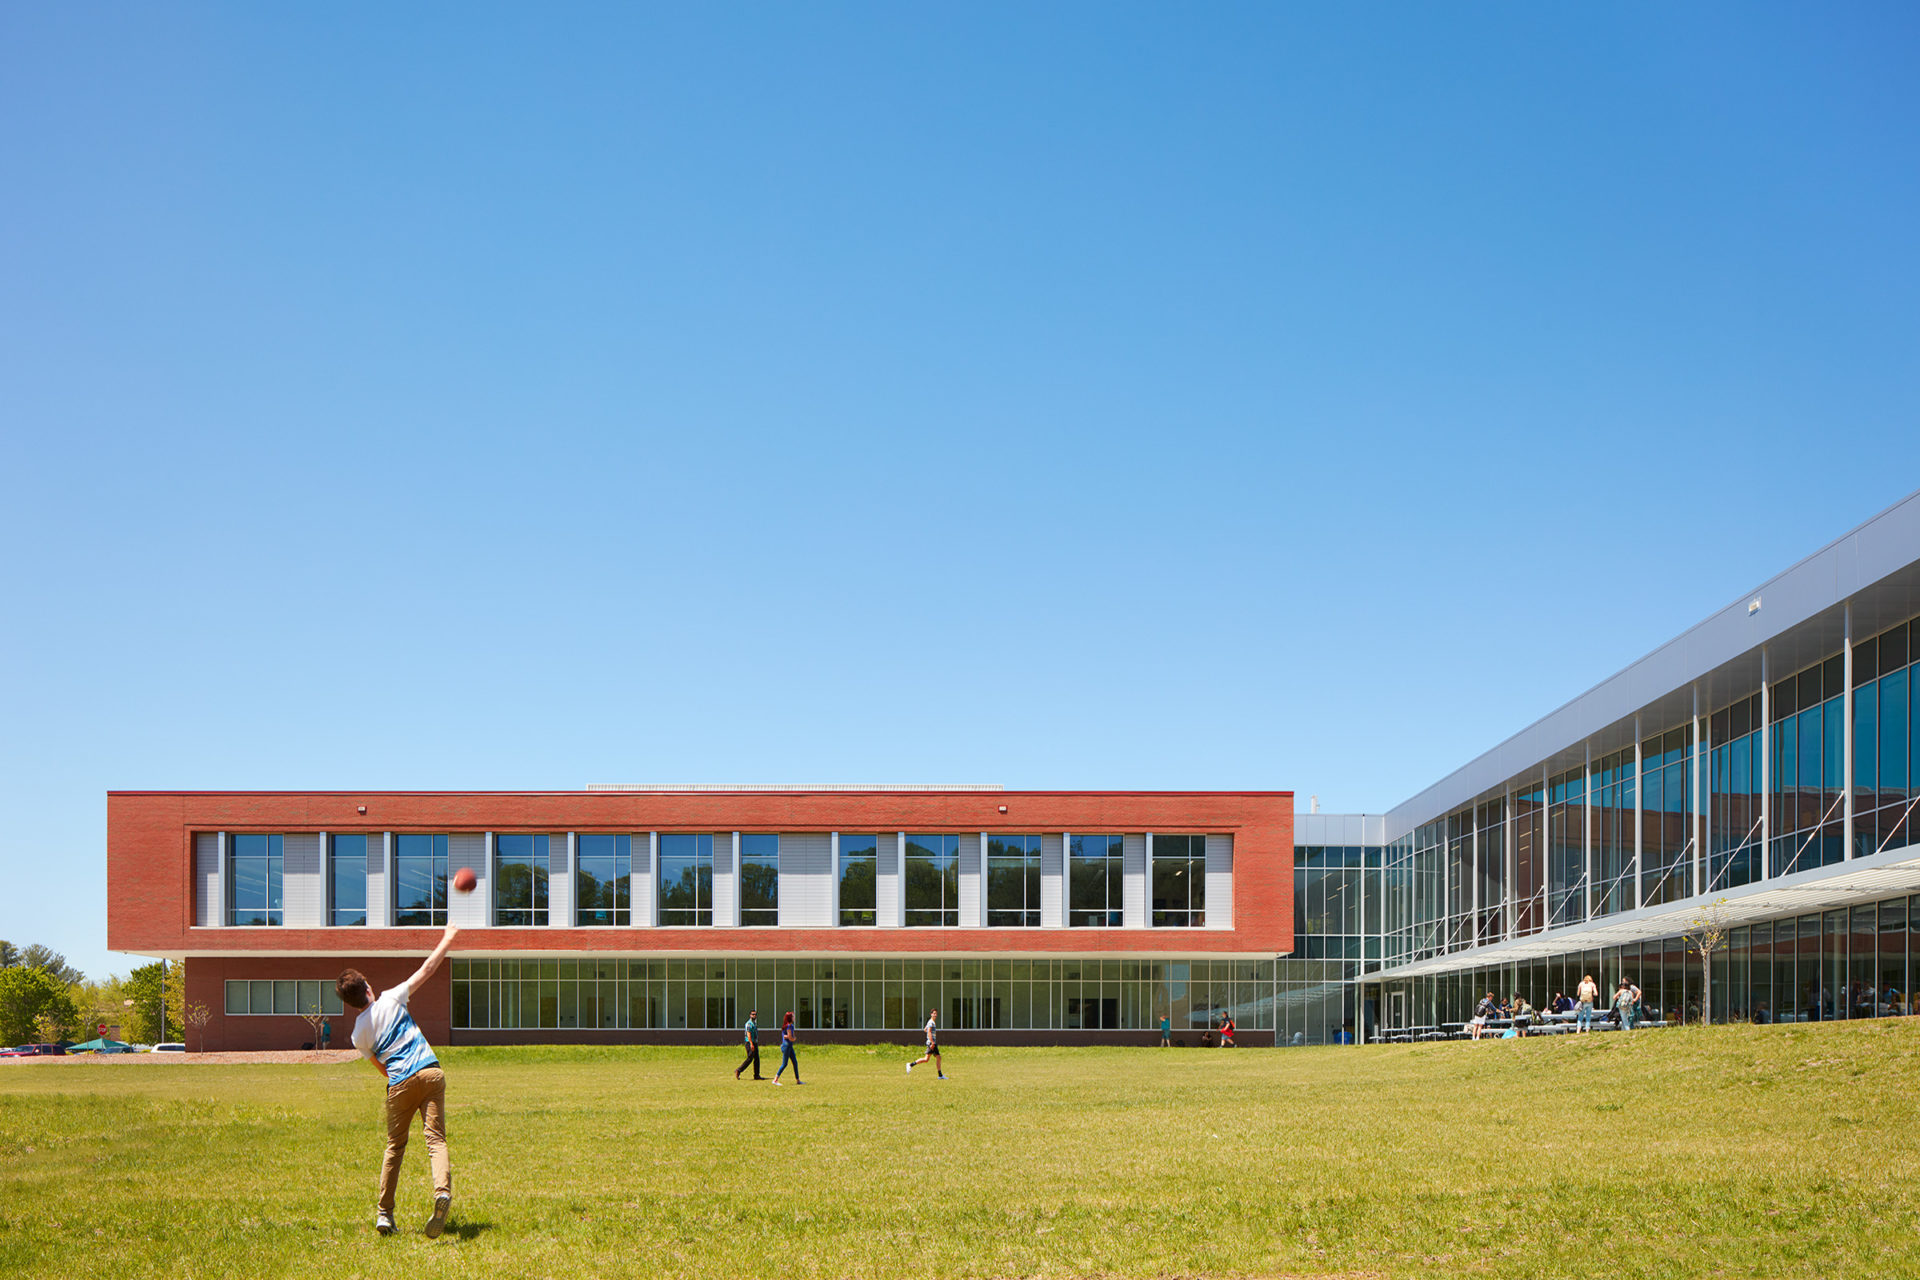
[
  {"x": 303, "y": 898},
  {"x": 471, "y": 910},
  {"x": 1146, "y": 914},
  {"x": 1766, "y": 769},
  {"x": 1509, "y": 913},
  {"x": 1133, "y": 881},
  {"x": 379, "y": 872},
  {"x": 900, "y": 880},
  {"x": 726, "y": 879},
  {"x": 973, "y": 880},
  {"x": 1590, "y": 881},
  {"x": 1699, "y": 823},
  {"x": 1846, "y": 720},
  {"x": 209, "y": 880},
  {"x": 1639, "y": 795},
  {"x": 833, "y": 876},
  {"x": 1219, "y": 881},
  {"x": 1053, "y": 880}
]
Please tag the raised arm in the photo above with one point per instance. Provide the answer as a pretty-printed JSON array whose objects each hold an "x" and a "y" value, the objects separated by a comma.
[{"x": 425, "y": 971}]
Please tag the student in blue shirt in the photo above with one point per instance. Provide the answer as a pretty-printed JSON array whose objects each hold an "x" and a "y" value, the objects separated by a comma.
[{"x": 385, "y": 1032}]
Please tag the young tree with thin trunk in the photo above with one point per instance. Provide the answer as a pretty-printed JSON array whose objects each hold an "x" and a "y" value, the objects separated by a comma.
[
  {"x": 196, "y": 1019},
  {"x": 1704, "y": 934}
]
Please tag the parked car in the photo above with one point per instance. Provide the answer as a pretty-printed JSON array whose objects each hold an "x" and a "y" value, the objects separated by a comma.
[
  {"x": 172, "y": 1046},
  {"x": 34, "y": 1051}
]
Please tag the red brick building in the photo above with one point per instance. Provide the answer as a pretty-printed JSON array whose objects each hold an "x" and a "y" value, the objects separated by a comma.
[{"x": 617, "y": 914}]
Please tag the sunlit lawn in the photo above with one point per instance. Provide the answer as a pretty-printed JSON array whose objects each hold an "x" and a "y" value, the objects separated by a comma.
[{"x": 1787, "y": 1151}]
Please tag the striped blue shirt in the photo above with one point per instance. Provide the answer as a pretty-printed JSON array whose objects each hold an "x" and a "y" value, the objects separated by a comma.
[{"x": 386, "y": 1032}]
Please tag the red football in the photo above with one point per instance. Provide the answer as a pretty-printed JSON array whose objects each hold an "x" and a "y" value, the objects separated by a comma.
[{"x": 464, "y": 880}]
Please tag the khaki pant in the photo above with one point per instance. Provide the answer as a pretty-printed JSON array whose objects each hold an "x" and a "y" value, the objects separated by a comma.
[{"x": 426, "y": 1093}]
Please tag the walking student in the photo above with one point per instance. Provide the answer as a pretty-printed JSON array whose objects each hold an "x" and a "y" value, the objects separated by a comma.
[
  {"x": 1624, "y": 1004},
  {"x": 933, "y": 1046},
  {"x": 386, "y": 1033},
  {"x": 1588, "y": 995},
  {"x": 752, "y": 1033},
  {"x": 786, "y": 1051},
  {"x": 1226, "y": 1031},
  {"x": 1166, "y": 1031}
]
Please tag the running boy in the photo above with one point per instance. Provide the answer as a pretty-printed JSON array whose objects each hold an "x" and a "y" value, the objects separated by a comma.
[
  {"x": 933, "y": 1046},
  {"x": 386, "y": 1033}
]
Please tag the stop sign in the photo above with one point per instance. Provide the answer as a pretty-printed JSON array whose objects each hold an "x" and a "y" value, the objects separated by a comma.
[{"x": 103, "y": 1028}]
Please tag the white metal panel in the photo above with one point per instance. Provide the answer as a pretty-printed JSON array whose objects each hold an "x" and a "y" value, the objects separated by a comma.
[
  {"x": 1053, "y": 879},
  {"x": 1220, "y": 882},
  {"x": 1133, "y": 880},
  {"x": 973, "y": 861},
  {"x": 303, "y": 893},
  {"x": 726, "y": 878},
  {"x": 470, "y": 910},
  {"x": 806, "y": 880},
  {"x": 208, "y": 905},
  {"x": 560, "y": 864},
  {"x": 889, "y": 898},
  {"x": 642, "y": 889}
]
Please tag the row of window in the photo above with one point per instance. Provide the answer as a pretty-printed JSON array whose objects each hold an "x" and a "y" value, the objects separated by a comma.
[{"x": 603, "y": 880}]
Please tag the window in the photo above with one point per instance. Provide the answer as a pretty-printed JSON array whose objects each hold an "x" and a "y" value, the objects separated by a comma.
[
  {"x": 420, "y": 881},
  {"x": 1094, "y": 882},
  {"x": 296, "y": 998},
  {"x": 602, "y": 882},
  {"x": 859, "y": 857},
  {"x": 686, "y": 879},
  {"x": 759, "y": 880},
  {"x": 347, "y": 880},
  {"x": 253, "y": 874},
  {"x": 520, "y": 879},
  {"x": 933, "y": 881},
  {"x": 1179, "y": 881},
  {"x": 1013, "y": 882}
]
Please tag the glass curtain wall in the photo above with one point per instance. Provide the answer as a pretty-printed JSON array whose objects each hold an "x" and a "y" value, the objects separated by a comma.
[
  {"x": 1733, "y": 796},
  {"x": 1491, "y": 871},
  {"x": 872, "y": 994},
  {"x": 1567, "y": 848},
  {"x": 1529, "y": 860},
  {"x": 1667, "y": 843},
  {"x": 1808, "y": 745},
  {"x": 1886, "y": 742},
  {"x": 1614, "y": 794},
  {"x": 1460, "y": 930}
]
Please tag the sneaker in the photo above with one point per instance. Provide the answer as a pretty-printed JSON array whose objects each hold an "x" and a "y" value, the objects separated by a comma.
[
  {"x": 383, "y": 1223},
  {"x": 940, "y": 1077},
  {"x": 776, "y": 1080},
  {"x": 438, "y": 1222},
  {"x": 909, "y": 1068}
]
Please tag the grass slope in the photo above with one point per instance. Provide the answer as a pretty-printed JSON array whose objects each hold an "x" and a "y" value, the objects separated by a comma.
[{"x": 1787, "y": 1151}]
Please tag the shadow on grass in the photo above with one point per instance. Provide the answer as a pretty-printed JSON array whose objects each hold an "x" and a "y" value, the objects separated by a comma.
[{"x": 467, "y": 1230}]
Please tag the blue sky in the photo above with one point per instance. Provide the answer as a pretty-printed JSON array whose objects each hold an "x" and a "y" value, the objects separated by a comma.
[{"x": 1107, "y": 396}]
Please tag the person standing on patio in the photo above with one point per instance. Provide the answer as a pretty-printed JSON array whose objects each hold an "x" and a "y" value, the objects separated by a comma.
[
  {"x": 1624, "y": 1004},
  {"x": 1588, "y": 995},
  {"x": 1486, "y": 1009}
]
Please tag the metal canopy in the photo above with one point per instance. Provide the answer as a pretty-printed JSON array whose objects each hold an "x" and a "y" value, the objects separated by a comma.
[{"x": 1881, "y": 875}]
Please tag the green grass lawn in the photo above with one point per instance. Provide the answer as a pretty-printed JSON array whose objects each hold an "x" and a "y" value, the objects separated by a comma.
[{"x": 1787, "y": 1151}]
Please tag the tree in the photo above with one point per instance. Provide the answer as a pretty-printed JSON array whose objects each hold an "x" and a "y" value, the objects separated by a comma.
[
  {"x": 142, "y": 1021},
  {"x": 197, "y": 1016},
  {"x": 26, "y": 994},
  {"x": 9, "y": 954},
  {"x": 1705, "y": 932},
  {"x": 36, "y": 956}
]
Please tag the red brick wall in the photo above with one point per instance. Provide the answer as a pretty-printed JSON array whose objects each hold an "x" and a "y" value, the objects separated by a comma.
[
  {"x": 150, "y": 862},
  {"x": 206, "y": 984}
]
